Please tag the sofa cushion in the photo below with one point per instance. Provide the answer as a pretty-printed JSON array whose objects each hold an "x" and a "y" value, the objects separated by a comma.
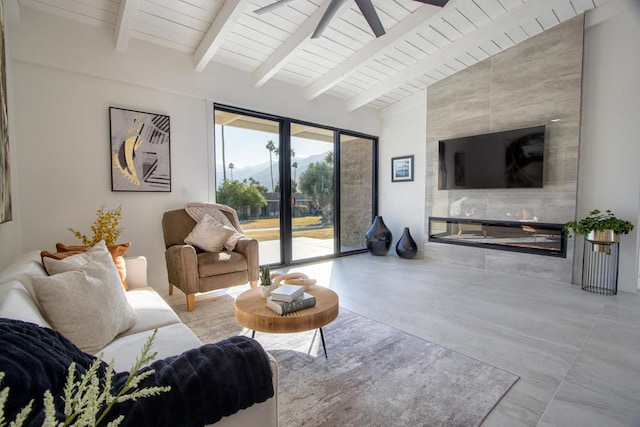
[
  {"x": 209, "y": 235},
  {"x": 84, "y": 298},
  {"x": 23, "y": 269},
  {"x": 117, "y": 253},
  {"x": 17, "y": 303},
  {"x": 34, "y": 360},
  {"x": 151, "y": 311},
  {"x": 205, "y": 383},
  {"x": 216, "y": 263},
  {"x": 170, "y": 340}
]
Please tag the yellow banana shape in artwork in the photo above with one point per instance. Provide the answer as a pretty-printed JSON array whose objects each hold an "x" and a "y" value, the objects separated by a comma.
[{"x": 123, "y": 159}]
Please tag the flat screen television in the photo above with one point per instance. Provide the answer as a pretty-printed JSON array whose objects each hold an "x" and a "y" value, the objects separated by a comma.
[{"x": 508, "y": 159}]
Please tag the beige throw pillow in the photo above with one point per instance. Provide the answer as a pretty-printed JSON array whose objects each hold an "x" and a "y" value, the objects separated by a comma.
[
  {"x": 197, "y": 210},
  {"x": 209, "y": 235},
  {"x": 231, "y": 242},
  {"x": 117, "y": 253},
  {"x": 84, "y": 299}
]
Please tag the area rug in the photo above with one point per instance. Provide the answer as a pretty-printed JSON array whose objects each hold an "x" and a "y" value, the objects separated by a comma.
[{"x": 375, "y": 375}]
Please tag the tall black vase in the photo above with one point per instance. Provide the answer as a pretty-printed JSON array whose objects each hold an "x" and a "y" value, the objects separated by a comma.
[
  {"x": 406, "y": 247},
  {"x": 379, "y": 237}
]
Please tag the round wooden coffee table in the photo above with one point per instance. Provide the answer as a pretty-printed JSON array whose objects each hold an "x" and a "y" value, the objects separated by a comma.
[{"x": 251, "y": 311}]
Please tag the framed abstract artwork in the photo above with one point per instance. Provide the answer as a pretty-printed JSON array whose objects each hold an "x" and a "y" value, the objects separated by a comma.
[
  {"x": 140, "y": 151},
  {"x": 402, "y": 169},
  {"x": 5, "y": 164}
]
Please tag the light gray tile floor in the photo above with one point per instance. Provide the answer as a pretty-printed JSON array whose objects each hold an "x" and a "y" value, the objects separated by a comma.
[{"x": 577, "y": 354}]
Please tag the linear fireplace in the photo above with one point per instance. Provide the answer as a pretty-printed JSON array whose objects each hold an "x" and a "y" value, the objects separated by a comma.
[{"x": 518, "y": 236}]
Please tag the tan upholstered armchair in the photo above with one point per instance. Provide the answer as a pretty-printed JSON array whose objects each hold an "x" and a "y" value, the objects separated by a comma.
[{"x": 193, "y": 270}]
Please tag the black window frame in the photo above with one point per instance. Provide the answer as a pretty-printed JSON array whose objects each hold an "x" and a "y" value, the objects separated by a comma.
[{"x": 285, "y": 175}]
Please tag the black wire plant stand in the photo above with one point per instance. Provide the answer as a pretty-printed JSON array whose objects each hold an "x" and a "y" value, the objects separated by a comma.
[{"x": 600, "y": 267}]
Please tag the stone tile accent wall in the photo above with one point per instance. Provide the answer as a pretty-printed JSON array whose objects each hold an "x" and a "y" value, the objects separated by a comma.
[
  {"x": 356, "y": 192},
  {"x": 530, "y": 84}
]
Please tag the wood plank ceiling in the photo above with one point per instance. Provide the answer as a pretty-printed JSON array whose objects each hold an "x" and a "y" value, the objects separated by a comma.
[{"x": 423, "y": 43}]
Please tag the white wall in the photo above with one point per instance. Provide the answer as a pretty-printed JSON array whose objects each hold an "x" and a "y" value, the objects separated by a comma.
[
  {"x": 609, "y": 176},
  {"x": 64, "y": 167},
  {"x": 65, "y": 77},
  {"x": 404, "y": 132}
]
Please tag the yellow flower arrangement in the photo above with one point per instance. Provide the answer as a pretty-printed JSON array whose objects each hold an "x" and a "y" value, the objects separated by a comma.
[{"x": 105, "y": 227}]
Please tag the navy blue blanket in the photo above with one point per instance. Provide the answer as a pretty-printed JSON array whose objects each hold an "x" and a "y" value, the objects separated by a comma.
[{"x": 207, "y": 383}]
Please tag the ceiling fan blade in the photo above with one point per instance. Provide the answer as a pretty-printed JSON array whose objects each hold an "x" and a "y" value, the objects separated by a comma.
[
  {"x": 326, "y": 18},
  {"x": 369, "y": 13},
  {"x": 440, "y": 3},
  {"x": 272, "y": 6}
]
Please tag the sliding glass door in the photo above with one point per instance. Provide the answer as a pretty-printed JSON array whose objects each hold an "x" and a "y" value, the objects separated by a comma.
[
  {"x": 312, "y": 192},
  {"x": 248, "y": 177},
  {"x": 304, "y": 191}
]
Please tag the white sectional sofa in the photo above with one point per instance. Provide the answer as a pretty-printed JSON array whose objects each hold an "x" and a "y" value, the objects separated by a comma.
[{"x": 17, "y": 301}]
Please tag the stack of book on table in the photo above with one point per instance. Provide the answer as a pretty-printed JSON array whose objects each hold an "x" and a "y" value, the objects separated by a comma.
[{"x": 289, "y": 298}]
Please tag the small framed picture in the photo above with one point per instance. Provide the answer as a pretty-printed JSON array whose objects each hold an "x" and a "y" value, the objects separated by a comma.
[{"x": 402, "y": 169}]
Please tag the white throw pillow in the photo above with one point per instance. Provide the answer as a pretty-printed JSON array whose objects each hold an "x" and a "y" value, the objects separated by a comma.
[
  {"x": 209, "y": 235},
  {"x": 231, "y": 242},
  {"x": 84, "y": 298}
]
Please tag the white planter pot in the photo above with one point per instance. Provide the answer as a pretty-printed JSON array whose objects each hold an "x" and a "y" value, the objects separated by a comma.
[{"x": 265, "y": 291}]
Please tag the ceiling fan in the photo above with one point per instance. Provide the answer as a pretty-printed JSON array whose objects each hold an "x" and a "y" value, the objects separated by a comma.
[{"x": 365, "y": 6}]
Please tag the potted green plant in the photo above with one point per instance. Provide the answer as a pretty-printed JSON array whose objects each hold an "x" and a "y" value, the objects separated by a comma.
[
  {"x": 599, "y": 228},
  {"x": 266, "y": 284}
]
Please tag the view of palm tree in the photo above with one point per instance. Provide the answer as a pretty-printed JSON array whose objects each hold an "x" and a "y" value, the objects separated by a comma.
[
  {"x": 252, "y": 159},
  {"x": 248, "y": 178},
  {"x": 271, "y": 147}
]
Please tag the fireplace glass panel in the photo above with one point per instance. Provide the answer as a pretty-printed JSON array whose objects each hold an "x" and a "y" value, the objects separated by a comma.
[{"x": 519, "y": 236}]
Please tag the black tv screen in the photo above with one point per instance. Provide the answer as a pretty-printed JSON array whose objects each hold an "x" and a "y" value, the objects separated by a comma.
[{"x": 509, "y": 159}]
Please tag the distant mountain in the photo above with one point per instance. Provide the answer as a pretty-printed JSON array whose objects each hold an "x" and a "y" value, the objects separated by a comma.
[{"x": 262, "y": 173}]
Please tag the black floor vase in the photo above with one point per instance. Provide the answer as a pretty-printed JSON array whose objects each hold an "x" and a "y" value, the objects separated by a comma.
[
  {"x": 406, "y": 247},
  {"x": 379, "y": 237}
]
